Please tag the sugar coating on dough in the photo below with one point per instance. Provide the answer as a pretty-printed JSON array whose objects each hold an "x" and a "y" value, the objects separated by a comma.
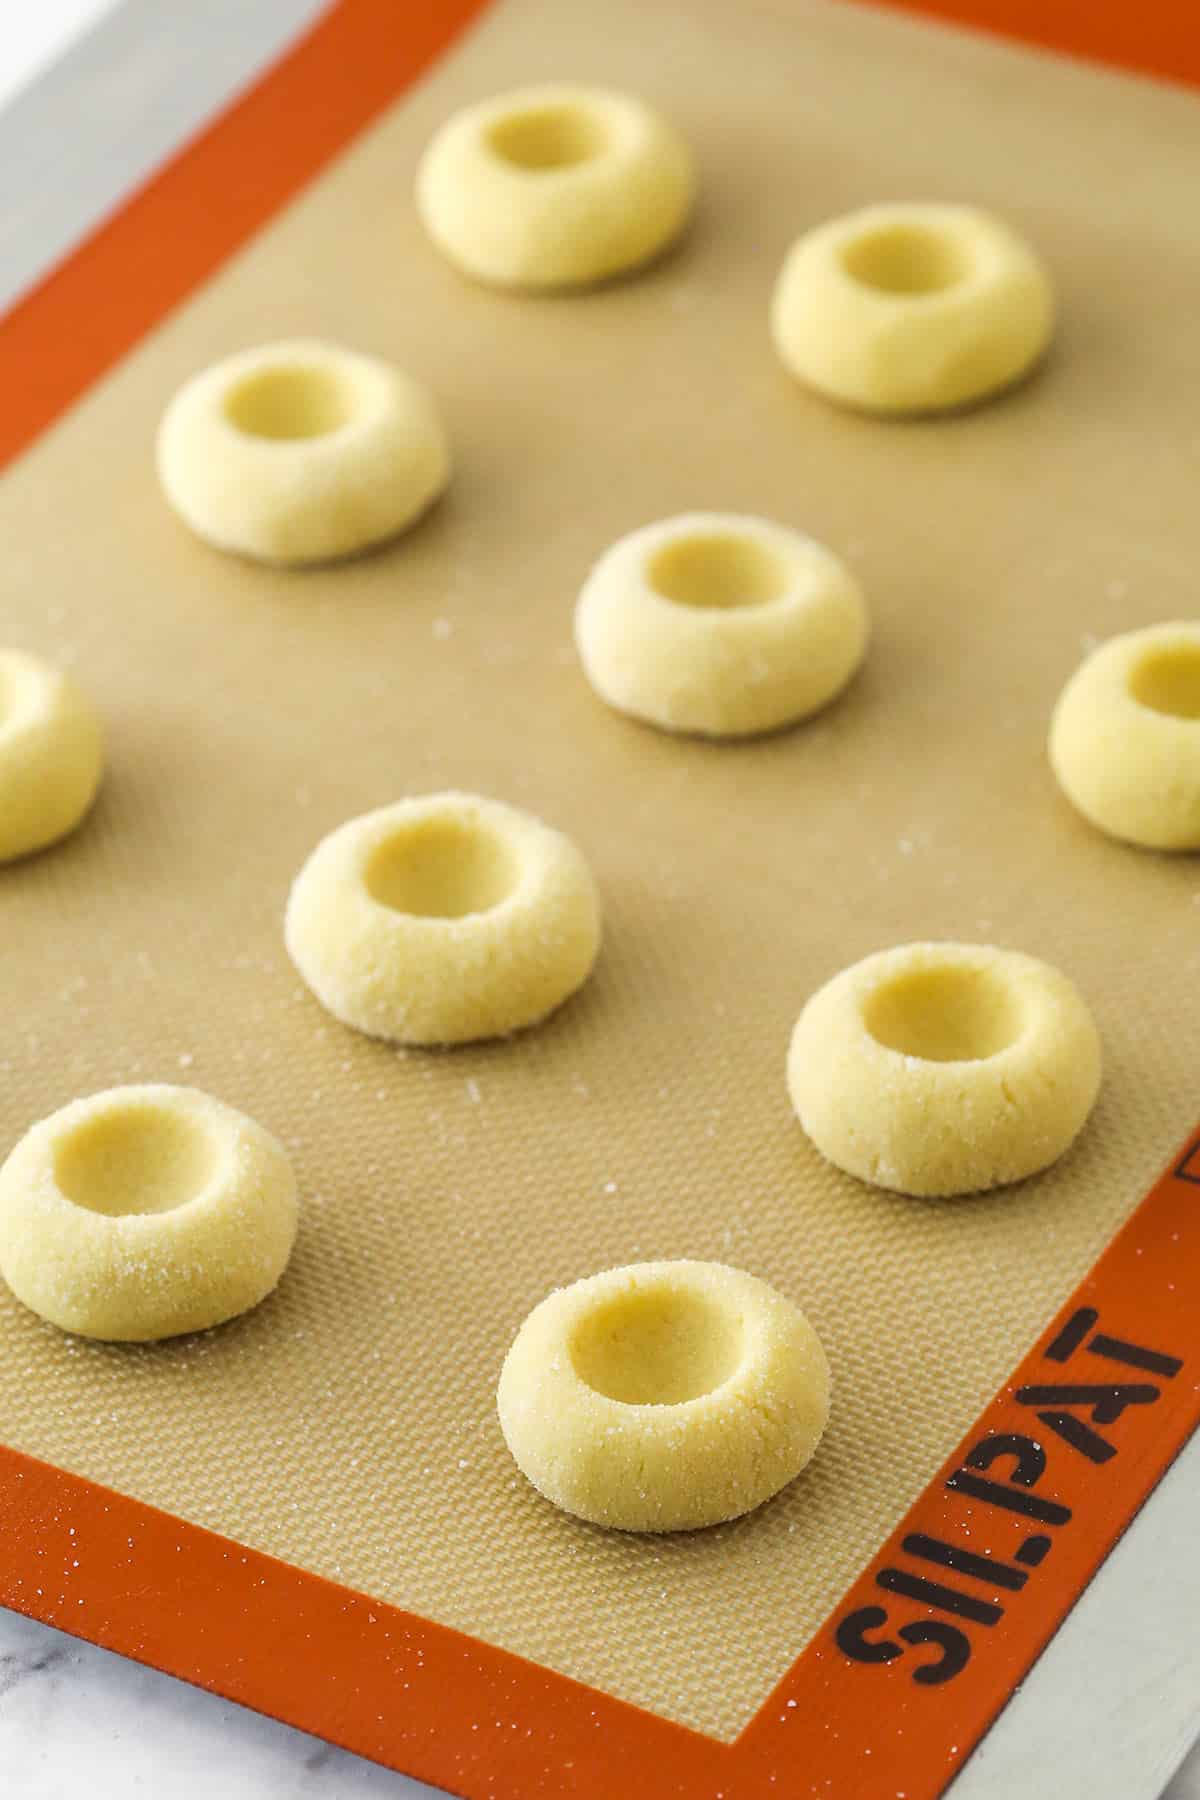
[
  {"x": 663, "y": 1396},
  {"x": 944, "y": 1068},
  {"x": 51, "y": 754},
  {"x": 443, "y": 918},
  {"x": 1125, "y": 737},
  {"x": 143, "y": 1212},
  {"x": 911, "y": 308},
  {"x": 554, "y": 186},
  {"x": 719, "y": 624},
  {"x": 301, "y": 452}
]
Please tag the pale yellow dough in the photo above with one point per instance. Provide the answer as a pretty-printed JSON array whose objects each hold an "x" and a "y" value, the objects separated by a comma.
[
  {"x": 51, "y": 754},
  {"x": 1125, "y": 737},
  {"x": 301, "y": 452},
  {"x": 664, "y": 1396},
  {"x": 719, "y": 624},
  {"x": 442, "y": 919},
  {"x": 944, "y": 1068},
  {"x": 144, "y": 1212},
  {"x": 554, "y": 186},
  {"x": 911, "y": 308}
]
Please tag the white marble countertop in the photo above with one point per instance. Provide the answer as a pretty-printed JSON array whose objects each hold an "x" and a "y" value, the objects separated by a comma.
[{"x": 76, "y": 1720}]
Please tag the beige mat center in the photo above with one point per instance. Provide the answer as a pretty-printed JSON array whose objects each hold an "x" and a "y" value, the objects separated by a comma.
[{"x": 348, "y": 1425}]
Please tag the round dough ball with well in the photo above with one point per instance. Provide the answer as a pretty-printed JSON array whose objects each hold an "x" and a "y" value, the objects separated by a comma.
[
  {"x": 944, "y": 1068},
  {"x": 911, "y": 309},
  {"x": 301, "y": 452},
  {"x": 442, "y": 919},
  {"x": 1125, "y": 737},
  {"x": 719, "y": 624},
  {"x": 554, "y": 186},
  {"x": 51, "y": 754},
  {"x": 664, "y": 1396},
  {"x": 143, "y": 1212}
]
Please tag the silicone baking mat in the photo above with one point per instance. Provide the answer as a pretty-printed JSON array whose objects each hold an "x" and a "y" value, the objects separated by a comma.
[{"x": 346, "y": 1427}]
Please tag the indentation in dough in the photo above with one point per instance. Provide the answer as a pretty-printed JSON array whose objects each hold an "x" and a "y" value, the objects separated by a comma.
[
  {"x": 138, "y": 1159},
  {"x": 664, "y": 1396},
  {"x": 301, "y": 452},
  {"x": 1168, "y": 681},
  {"x": 719, "y": 623},
  {"x": 442, "y": 868},
  {"x": 549, "y": 137},
  {"x": 911, "y": 308},
  {"x": 554, "y": 186},
  {"x": 718, "y": 570},
  {"x": 144, "y": 1212},
  {"x": 998, "y": 1067},
  {"x": 906, "y": 259},
  {"x": 1125, "y": 736},
  {"x": 291, "y": 401},
  {"x": 443, "y": 919},
  {"x": 657, "y": 1346},
  {"x": 949, "y": 1014}
]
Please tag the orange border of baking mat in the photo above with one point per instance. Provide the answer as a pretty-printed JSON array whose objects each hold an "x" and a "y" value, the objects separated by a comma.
[
  {"x": 126, "y": 276},
  {"x": 1157, "y": 37},
  {"x": 933, "y": 1637}
]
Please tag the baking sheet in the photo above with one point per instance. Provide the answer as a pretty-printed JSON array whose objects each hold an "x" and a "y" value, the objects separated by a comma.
[{"x": 348, "y": 1425}]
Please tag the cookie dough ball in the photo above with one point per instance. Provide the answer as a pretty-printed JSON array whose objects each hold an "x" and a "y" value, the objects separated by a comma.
[
  {"x": 143, "y": 1212},
  {"x": 301, "y": 452},
  {"x": 554, "y": 187},
  {"x": 944, "y": 1068},
  {"x": 663, "y": 1396},
  {"x": 911, "y": 309},
  {"x": 1125, "y": 737},
  {"x": 443, "y": 919},
  {"x": 51, "y": 754},
  {"x": 719, "y": 624}
]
